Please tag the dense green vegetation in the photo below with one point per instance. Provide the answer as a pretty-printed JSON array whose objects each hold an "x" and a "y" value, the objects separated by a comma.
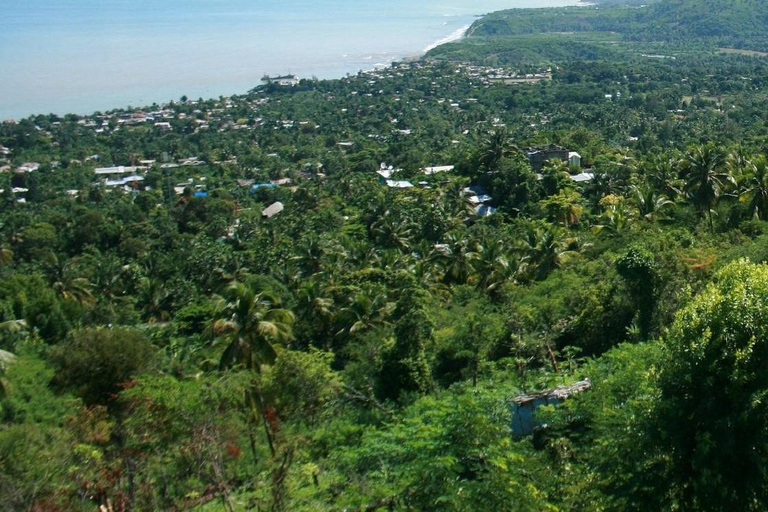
[{"x": 165, "y": 346}]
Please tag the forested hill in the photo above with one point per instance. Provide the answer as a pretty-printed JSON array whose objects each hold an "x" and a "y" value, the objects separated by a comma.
[{"x": 739, "y": 23}]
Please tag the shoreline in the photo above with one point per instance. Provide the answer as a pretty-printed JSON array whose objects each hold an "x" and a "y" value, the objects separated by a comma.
[{"x": 456, "y": 35}]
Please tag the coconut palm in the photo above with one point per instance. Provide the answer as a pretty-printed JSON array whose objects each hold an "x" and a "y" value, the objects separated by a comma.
[
  {"x": 650, "y": 205},
  {"x": 545, "y": 249},
  {"x": 252, "y": 323},
  {"x": 315, "y": 308},
  {"x": 393, "y": 232},
  {"x": 154, "y": 299},
  {"x": 456, "y": 257},
  {"x": 62, "y": 278},
  {"x": 363, "y": 312},
  {"x": 662, "y": 174},
  {"x": 494, "y": 266},
  {"x": 6, "y": 358},
  {"x": 707, "y": 177},
  {"x": 496, "y": 147},
  {"x": 755, "y": 189}
]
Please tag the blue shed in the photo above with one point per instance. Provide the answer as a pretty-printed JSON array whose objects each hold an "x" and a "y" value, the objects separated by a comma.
[{"x": 524, "y": 406}]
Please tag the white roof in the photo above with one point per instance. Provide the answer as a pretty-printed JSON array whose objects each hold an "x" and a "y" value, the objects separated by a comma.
[
  {"x": 385, "y": 173},
  {"x": 118, "y": 169},
  {"x": 479, "y": 199},
  {"x": 273, "y": 209},
  {"x": 399, "y": 184},
  {"x": 582, "y": 177},
  {"x": 123, "y": 181},
  {"x": 440, "y": 168},
  {"x": 573, "y": 154}
]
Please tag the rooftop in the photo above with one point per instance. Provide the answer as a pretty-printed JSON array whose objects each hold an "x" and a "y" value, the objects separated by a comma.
[{"x": 558, "y": 393}]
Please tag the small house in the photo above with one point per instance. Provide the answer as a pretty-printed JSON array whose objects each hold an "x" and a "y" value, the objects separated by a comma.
[
  {"x": 582, "y": 177},
  {"x": 524, "y": 406},
  {"x": 272, "y": 210},
  {"x": 574, "y": 159},
  {"x": 438, "y": 169},
  {"x": 537, "y": 156},
  {"x": 399, "y": 184}
]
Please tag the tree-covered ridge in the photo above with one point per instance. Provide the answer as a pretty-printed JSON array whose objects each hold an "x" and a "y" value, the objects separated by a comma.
[
  {"x": 165, "y": 345},
  {"x": 738, "y": 24}
]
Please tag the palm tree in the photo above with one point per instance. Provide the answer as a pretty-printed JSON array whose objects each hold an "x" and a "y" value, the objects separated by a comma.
[
  {"x": 755, "y": 191},
  {"x": 6, "y": 358},
  {"x": 457, "y": 256},
  {"x": 615, "y": 218},
  {"x": 496, "y": 147},
  {"x": 650, "y": 205},
  {"x": 546, "y": 248},
  {"x": 393, "y": 232},
  {"x": 706, "y": 178},
  {"x": 63, "y": 280},
  {"x": 363, "y": 312},
  {"x": 252, "y": 323},
  {"x": 494, "y": 266},
  {"x": 662, "y": 174},
  {"x": 315, "y": 308},
  {"x": 6, "y": 256},
  {"x": 154, "y": 299}
]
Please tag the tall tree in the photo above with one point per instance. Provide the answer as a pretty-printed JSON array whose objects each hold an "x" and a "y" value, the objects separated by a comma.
[
  {"x": 754, "y": 190},
  {"x": 707, "y": 178},
  {"x": 251, "y": 322}
]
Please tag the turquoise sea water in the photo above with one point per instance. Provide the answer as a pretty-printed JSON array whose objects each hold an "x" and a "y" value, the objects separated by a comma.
[{"x": 79, "y": 56}]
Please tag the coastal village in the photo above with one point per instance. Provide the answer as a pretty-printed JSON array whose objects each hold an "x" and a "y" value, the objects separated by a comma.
[{"x": 252, "y": 116}]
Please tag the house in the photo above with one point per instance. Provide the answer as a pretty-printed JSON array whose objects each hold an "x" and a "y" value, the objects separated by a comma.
[
  {"x": 118, "y": 170},
  {"x": 200, "y": 193},
  {"x": 574, "y": 159},
  {"x": 4, "y": 150},
  {"x": 385, "y": 174},
  {"x": 582, "y": 177},
  {"x": 475, "y": 190},
  {"x": 133, "y": 180},
  {"x": 524, "y": 406},
  {"x": 480, "y": 199},
  {"x": 28, "y": 167},
  {"x": 180, "y": 187},
  {"x": 245, "y": 182},
  {"x": 285, "y": 80},
  {"x": 484, "y": 210},
  {"x": 538, "y": 155},
  {"x": 434, "y": 170},
  {"x": 257, "y": 186},
  {"x": 399, "y": 184},
  {"x": 272, "y": 210}
]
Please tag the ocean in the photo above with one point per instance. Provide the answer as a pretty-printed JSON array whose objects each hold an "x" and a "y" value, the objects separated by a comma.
[{"x": 81, "y": 56}]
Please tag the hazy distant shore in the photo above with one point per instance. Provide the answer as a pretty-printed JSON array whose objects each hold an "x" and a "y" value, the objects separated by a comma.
[{"x": 96, "y": 58}]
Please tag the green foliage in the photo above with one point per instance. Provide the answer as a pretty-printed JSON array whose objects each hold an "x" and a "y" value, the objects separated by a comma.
[
  {"x": 192, "y": 327},
  {"x": 95, "y": 364},
  {"x": 446, "y": 454},
  {"x": 638, "y": 268},
  {"x": 711, "y": 392}
]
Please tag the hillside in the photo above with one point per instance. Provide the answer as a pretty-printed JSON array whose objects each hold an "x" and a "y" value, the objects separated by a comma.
[
  {"x": 739, "y": 24},
  {"x": 354, "y": 294}
]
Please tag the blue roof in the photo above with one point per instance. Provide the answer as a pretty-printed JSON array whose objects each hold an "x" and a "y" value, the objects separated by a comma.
[
  {"x": 201, "y": 193},
  {"x": 257, "y": 186}
]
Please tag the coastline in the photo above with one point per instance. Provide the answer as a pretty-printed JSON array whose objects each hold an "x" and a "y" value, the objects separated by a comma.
[
  {"x": 456, "y": 35},
  {"x": 86, "y": 96}
]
